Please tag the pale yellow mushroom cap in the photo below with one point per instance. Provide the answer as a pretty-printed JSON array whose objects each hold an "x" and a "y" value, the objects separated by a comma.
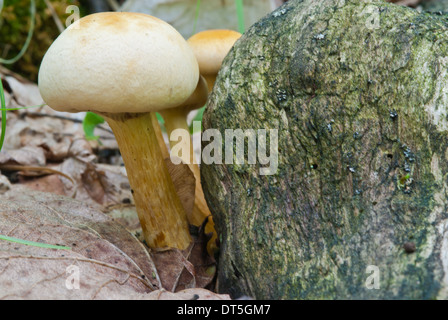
[
  {"x": 116, "y": 62},
  {"x": 211, "y": 47}
]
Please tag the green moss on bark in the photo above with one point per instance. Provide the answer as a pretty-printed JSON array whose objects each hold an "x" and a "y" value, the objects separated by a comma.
[{"x": 357, "y": 90}]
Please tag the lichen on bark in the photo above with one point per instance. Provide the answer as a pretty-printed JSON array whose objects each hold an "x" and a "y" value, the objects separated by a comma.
[{"x": 358, "y": 93}]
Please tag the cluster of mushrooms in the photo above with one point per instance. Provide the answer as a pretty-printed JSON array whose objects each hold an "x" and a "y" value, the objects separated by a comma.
[{"x": 126, "y": 67}]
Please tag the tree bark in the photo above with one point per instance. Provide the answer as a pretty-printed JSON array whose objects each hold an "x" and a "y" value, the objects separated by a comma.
[{"x": 358, "y": 206}]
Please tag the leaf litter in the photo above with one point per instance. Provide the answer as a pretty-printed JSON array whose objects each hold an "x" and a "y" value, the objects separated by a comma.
[{"x": 54, "y": 190}]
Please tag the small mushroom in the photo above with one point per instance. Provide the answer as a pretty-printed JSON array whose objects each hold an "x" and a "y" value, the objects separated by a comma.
[
  {"x": 126, "y": 67},
  {"x": 176, "y": 118},
  {"x": 210, "y": 48}
]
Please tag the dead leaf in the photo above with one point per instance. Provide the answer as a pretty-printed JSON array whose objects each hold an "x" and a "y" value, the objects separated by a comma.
[
  {"x": 51, "y": 183},
  {"x": 184, "y": 183},
  {"x": 5, "y": 185},
  {"x": 27, "y": 156},
  {"x": 23, "y": 92},
  {"x": 100, "y": 183},
  {"x": 82, "y": 149},
  {"x": 113, "y": 265},
  {"x": 39, "y": 126},
  {"x": 192, "y": 267},
  {"x": 109, "y": 258},
  {"x": 110, "y": 262},
  {"x": 188, "y": 294},
  {"x": 127, "y": 216}
]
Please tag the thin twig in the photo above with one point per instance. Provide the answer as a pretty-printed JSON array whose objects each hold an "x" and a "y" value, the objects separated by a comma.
[
  {"x": 41, "y": 170},
  {"x": 56, "y": 19},
  {"x": 56, "y": 116},
  {"x": 114, "y": 5}
]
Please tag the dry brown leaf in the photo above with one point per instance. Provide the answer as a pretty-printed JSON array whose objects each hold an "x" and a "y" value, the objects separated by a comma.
[
  {"x": 111, "y": 263},
  {"x": 188, "y": 294},
  {"x": 184, "y": 183},
  {"x": 5, "y": 185},
  {"x": 100, "y": 183},
  {"x": 38, "y": 126},
  {"x": 49, "y": 183},
  {"x": 85, "y": 181},
  {"x": 127, "y": 216},
  {"x": 81, "y": 148},
  {"x": 192, "y": 267},
  {"x": 47, "y": 136},
  {"x": 54, "y": 137},
  {"x": 21, "y": 92},
  {"x": 27, "y": 156},
  {"x": 109, "y": 258}
]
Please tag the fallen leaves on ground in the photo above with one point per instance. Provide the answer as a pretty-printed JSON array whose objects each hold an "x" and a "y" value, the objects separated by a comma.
[
  {"x": 110, "y": 261},
  {"x": 108, "y": 257},
  {"x": 54, "y": 190}
]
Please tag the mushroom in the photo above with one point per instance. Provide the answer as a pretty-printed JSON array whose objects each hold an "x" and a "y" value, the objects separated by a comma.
[
  {"x": 176, "y": 118},
  {"x": 126, "y": 67},
  {"x": 210, "y": 48}
]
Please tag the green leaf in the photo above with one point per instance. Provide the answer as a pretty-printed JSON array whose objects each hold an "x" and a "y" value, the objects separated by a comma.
[
  {"x": 90, "y": 122},
  {"x": 160, "y": 118},
  {"x": 198, "y": 117},
  {"x": 24, "y": 108}
]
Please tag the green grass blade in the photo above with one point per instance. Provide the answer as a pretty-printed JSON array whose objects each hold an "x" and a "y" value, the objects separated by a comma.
[
  {"x": 196, "y": 15},
  {"x": 28, "y": 38},
  {"x": 3, "y": 107},
  {"x": 21, "y": 108},
  {"x": 240, "y": 15},
  {"x": 32, "y": 243}
]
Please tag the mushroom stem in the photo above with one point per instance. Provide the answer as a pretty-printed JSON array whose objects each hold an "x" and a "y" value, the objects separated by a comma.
[
  {"x": 175, "y": 120},
  {"x": 160, "y": 139},
  {"x": 160, "y": 211},
  {"x": 210, "y": 81}
]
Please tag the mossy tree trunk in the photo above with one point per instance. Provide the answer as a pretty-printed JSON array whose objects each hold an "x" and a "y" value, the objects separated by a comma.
[{"x": 358, "y": 91}]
